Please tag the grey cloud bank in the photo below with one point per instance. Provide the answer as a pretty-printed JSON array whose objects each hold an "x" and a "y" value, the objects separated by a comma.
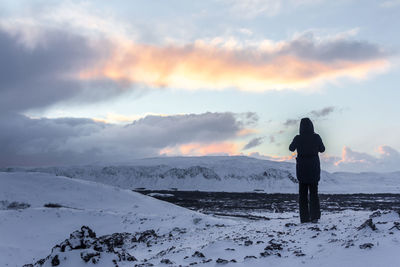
[
  {"x": 38, "y": 77},
  {"x": 336, "y": 49},
  {"x": 323, "y": 112},
  {"x": 38, "y": 142},
  {"x": 253, "y": 143}
]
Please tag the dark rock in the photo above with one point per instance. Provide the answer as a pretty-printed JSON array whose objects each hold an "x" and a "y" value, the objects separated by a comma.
[
  {"x": 146, "y": 235},
  {"x": 290, "y": 224},
  {"x": 396, "y": 225},
  {"x": 166, "y": 261},
  {"x": 366, "y": 245},
  {"x": 366, "y": 224},
  {"x": 265, "y": 254},
  {"x": 248, "y": 243},
  {"x": 165, "y": 251},
  {"x": 94, "y": 256},
  {"x": 17, "y": 205},
  {"x": 198, "y": 254},
  {"x": 349, "y": 243},
  {"x": 221, "y": 261},
  {"x": 55, "y": 261},
  {"x": 92, "y": 247},
  {"x": 146, "y": 264},
  {"x": 375, "y": 214},
  {"x": 273, "y": 245},
  {"x": 298, "y": 253},
  {"x": 250, "y": 257},
  {"x": 125, "y": 256},
  {"x": 314, "y": 228},
  {"x": 52, "y": 205}
]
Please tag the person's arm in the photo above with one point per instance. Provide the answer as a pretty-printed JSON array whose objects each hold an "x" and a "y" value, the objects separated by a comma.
[
  {"x": 293, "y": 145},
  {"x": 321, "y": 147}
]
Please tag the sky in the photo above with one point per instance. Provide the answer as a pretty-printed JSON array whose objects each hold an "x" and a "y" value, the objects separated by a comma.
[{"x": 84, "y": 82}]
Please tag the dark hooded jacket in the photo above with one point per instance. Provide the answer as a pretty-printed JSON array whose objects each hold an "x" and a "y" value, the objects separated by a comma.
[{"x": 308, "y": 144}]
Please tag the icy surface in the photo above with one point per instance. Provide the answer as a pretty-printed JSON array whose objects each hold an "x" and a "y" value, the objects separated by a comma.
[{"x": 153, "y": 232}]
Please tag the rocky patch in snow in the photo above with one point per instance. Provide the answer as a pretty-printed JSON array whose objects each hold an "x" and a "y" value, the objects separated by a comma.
[
  {"x": 14, "y": 205},
  {"x": 93, "y": 249},
  {"x": 226, "y": 245}
]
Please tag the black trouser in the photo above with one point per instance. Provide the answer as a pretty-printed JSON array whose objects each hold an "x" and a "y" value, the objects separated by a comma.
[{"x": 309, "y": 211}]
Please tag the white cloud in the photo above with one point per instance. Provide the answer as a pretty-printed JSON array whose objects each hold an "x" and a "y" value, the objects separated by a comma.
[
  {"x": 270, "y": 8},
  {"x": 72, "y": 54},
  {"x": 387, "y": 159}
]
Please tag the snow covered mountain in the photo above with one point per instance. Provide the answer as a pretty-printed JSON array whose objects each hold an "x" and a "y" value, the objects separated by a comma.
[{"x": 220, "y": 173}]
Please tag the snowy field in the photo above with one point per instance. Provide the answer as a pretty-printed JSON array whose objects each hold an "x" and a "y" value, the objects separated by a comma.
[{"x": 40, "y": 211}]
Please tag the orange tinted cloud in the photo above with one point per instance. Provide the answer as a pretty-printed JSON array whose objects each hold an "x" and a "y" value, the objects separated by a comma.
[
  {"x": 273, "y": 157},
  {"x": 210, "y": 66},
  {"x": 350, "y": 156},
  {"x": 202, "y": 149}
]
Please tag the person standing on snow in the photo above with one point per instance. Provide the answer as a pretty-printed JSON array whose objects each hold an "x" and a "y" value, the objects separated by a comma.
[{"x": 308, "y": 144}]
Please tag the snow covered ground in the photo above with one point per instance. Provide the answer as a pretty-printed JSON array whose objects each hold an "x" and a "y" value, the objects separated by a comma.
[
  {"x": 221, "y": 173},
  {"x": 39, "y": 211}
]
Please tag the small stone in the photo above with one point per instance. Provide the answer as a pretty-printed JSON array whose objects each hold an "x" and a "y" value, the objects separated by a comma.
[
  {"x": 55, "y": 261},
  {"x": 265, "y": 254},
  {"x": 221, "y": 261},
  {"x": 298, "y": 253},
  {"x": 198, "y": 254},
  {"x": 248, "y": 243},
  {"x": 273, "y": 245},
  {"x": 166, "y": 261},
  {"x": 250, "y": 257},
  {"x": 87, "y": 256},
  {"x": 366, "y": 245}
]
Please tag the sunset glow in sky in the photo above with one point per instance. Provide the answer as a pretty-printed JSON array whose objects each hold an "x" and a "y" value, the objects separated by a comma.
[{"x": 109, "y": 81}]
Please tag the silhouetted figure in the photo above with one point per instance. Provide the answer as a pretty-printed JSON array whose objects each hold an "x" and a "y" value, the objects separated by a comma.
[{"x": 308, "y": 169}]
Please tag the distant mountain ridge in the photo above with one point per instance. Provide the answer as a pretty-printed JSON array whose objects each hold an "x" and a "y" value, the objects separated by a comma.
[{"x": 219, "y": 173}]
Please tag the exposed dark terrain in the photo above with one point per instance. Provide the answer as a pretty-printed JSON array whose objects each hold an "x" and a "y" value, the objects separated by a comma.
[{"x": 242, "y": 204}]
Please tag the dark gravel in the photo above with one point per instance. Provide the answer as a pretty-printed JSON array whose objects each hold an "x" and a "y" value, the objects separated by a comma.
[{"x": 224, "y": 203}]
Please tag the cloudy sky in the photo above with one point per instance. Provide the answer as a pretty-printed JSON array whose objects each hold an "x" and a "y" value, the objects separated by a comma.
[{"x": 108, "y": 81}]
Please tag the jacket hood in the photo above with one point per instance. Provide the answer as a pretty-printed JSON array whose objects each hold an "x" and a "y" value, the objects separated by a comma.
[{"x": 306, "y": 126}]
